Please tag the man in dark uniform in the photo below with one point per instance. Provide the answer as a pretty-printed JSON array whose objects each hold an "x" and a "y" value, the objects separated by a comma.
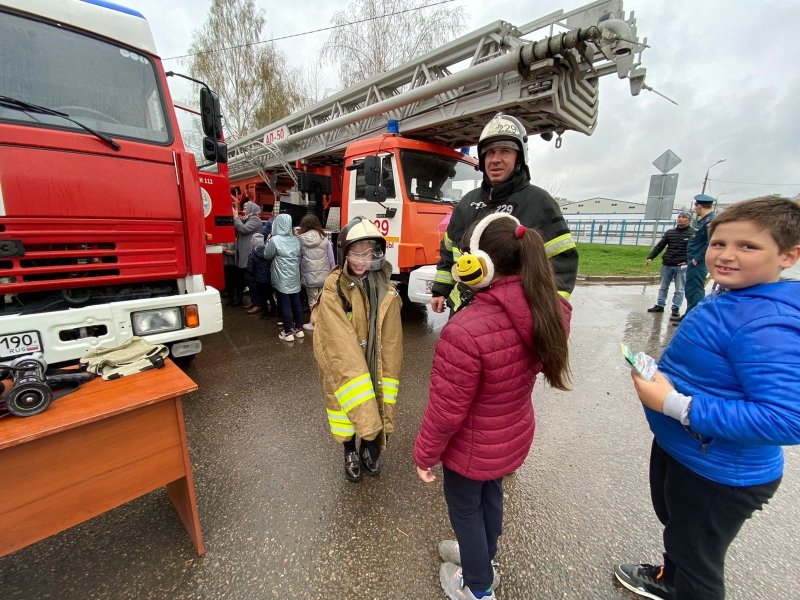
[
  {"x": 696, "y": 271},
  {"x": 506, "y": 187}
]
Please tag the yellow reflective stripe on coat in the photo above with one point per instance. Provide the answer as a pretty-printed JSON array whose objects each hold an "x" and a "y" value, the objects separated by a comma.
[
  {"x": 455, "y": 297},
  {"x": 444, "y": 276},
  {"x": 355, "y": 392},
  {"x": 564, "y": 295},
  {"x": 339, "y": 423},
  {"x": 390, "y": 389},
  {"x": 448, "y": 243},
  {"x": 559, "y": 244}
]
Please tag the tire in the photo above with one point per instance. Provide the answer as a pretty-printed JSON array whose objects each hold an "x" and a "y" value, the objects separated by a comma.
[{"x": 183, "y": 362}]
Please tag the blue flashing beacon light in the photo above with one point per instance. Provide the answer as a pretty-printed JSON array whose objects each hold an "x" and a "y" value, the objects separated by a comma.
[
  {"x": 465, "y": 150},
  {"x": 393, "y": 126}
]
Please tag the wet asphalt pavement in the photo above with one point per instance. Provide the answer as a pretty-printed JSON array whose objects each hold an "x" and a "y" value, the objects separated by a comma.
[{"x": 280, "y": 521}]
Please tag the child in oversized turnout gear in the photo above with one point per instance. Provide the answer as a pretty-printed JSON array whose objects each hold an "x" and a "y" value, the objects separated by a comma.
[{"x": 358, "y": 344}]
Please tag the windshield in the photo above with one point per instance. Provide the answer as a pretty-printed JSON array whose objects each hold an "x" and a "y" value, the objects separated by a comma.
[
  {"x": 106, "y": 87},
  {"x": 191, "y": 130},
  {"x": 435, "y": 178}
]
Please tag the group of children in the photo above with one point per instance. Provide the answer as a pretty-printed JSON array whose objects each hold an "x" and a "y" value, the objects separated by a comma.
[
  {"x": 724, "y": 401},
  {"x": 278, "y": 264}
]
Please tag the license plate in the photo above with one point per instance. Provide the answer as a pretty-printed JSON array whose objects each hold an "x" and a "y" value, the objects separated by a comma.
[{"x": 17, "y": 344}]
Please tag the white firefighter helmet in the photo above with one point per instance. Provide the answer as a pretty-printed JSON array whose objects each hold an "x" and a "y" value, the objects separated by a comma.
[
  {"x": 504, "y": 128},
  {"x": 358, "y": 229}
]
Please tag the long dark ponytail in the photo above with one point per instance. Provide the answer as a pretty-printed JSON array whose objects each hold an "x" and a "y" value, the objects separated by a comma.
[{"x": 526, "y": 256}]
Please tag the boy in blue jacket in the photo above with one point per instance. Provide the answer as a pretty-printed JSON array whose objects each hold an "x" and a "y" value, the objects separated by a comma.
[{"x": 717, "y": 457}]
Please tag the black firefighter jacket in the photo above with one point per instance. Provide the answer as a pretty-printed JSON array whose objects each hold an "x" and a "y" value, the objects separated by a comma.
[{"x": 534, "y": 208}]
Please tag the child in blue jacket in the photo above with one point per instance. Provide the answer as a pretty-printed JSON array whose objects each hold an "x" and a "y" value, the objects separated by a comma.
[
  {"x": 725, "y": 399},
  {"x": 259, "y": 279}
]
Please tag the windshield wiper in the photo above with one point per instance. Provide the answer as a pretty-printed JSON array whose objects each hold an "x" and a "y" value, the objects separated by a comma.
[
  {"x": 434, "y": 198},
  {"x": 9, "y": 102}
]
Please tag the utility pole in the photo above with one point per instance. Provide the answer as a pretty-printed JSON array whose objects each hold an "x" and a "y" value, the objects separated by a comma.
[{"x": 705, "y": 179}]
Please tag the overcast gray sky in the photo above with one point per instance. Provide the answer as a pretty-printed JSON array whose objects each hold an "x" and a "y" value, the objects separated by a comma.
[{"x": 728, "y": 63}]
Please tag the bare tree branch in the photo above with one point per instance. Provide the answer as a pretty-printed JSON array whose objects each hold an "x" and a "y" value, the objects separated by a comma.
[
  {"x": 361, "y": 50},
  {"x": 253, "y": 82}
]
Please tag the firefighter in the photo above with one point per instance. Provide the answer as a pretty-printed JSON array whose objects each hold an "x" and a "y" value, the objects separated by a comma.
[
  {"x": 506, "y": 187},
  {"x": 358, "y": 344}
]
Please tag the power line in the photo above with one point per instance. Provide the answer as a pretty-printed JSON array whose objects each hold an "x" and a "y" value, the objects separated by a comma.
[
  {"x": 286, "y": 37},
  {"x": 753, "y": 182}
]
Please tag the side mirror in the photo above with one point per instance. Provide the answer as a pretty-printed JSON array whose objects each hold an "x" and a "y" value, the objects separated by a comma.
[
  {"x": 375, "y": 193},
  {"x": 372, "y": 171},
  {"x": 210, "y": 114},
  {"x": 216, "y": 152}
]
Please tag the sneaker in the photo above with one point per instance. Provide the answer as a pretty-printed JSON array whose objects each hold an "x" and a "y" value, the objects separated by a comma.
[
  {"x": 645, "y": 580},
  {"x": 453, "y": 584},
  {"x": 308, "y": 326},
  {"x": 450, "y": 553},
  {"x": 656, "y": 308},
  {"x": 286, "y": 337},
  {"x": 676, "y": 314},
  {"x": 676, "y": 320},
  {"x": 298, "y": 333}
]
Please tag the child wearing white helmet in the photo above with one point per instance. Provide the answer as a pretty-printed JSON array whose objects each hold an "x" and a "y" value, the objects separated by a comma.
[{"x": 358, "y": 341}]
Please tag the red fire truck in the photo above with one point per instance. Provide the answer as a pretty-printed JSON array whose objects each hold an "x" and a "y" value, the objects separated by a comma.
[{"x": 101, "y": 214}]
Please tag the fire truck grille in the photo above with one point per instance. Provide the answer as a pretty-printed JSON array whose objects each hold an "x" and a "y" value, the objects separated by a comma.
[
  {"x": 111, "y": 253},
  {"x": 88, "y": 260}
]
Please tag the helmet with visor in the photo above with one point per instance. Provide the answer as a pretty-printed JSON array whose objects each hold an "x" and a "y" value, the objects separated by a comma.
[{"x": 361, "y": 245}]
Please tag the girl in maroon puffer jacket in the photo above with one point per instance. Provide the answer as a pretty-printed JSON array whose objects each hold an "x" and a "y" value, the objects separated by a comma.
[{"x": 479, "y": 419}]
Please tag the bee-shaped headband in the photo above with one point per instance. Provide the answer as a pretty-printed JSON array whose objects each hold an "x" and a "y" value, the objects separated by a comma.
[{"x": 475, "y": 269}]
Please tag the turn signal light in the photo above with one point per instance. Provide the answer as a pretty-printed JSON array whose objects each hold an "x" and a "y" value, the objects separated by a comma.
[{"x": 192, "y": 316}]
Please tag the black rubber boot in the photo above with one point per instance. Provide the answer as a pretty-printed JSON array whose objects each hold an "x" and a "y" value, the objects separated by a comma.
[
  {"x": 352, "y": 466},
  {"x": 370, "y": 457}
]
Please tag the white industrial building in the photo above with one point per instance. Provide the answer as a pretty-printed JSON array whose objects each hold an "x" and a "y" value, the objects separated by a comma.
[{"x": 595, "y": 207}]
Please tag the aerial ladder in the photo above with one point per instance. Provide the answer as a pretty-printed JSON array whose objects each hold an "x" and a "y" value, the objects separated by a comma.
[{"x": 313, "y": 160}]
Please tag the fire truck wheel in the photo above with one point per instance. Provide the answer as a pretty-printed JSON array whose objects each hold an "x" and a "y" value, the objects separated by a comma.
[
  {"x": 71, "y": 110},
  {"x": 28, "y": 399},
  {"x": 183, "y": 362}
]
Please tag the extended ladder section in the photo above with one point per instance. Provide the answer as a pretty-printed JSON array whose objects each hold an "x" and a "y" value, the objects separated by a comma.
[{"x": 449, "y": 94}]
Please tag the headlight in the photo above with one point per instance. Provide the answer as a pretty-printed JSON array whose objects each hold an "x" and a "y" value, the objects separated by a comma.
[{"x": 148, "y": 322}]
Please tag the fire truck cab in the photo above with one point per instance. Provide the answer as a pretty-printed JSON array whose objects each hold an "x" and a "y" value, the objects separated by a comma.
[{"x": 101, "y": 213}]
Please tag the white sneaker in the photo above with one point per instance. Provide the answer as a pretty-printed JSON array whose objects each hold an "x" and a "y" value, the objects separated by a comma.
[
  {"x": 308, "y": 326},
  {"x": 453, "y": 584},
  {"x": 451, "y": 553},
  {"x": 286, "y": 337},
  {"x": 298, "y": 333}
]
